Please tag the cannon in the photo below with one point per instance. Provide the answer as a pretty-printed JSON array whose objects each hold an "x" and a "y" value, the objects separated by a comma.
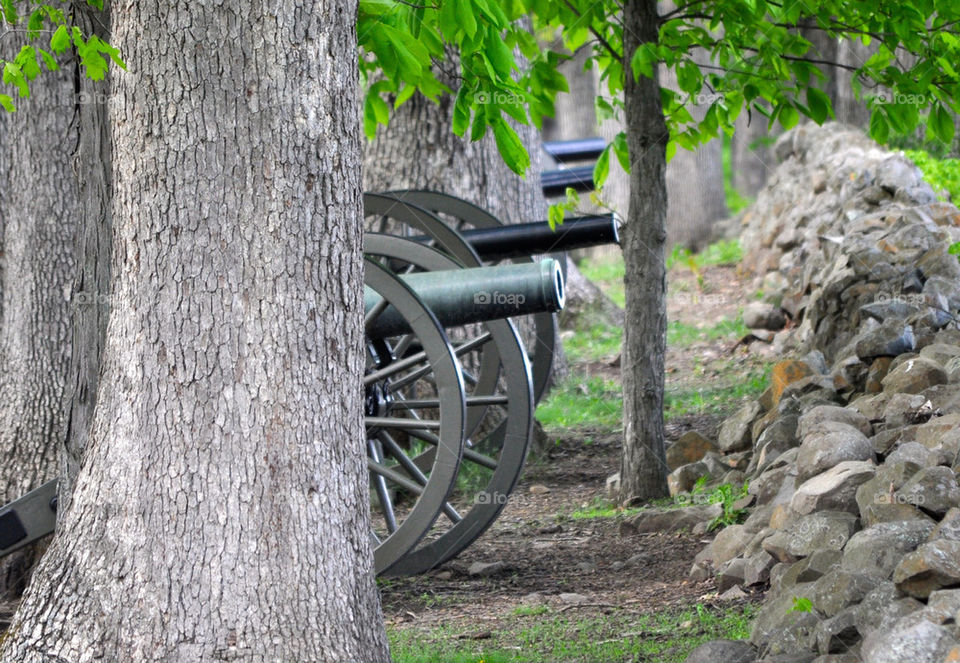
[
  {"x": 580, "y": 178},
  {"x": 447, "y": 384}
]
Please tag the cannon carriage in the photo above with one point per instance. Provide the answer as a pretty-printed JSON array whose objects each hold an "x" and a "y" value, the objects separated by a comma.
[{"x": 449, "y": 386}]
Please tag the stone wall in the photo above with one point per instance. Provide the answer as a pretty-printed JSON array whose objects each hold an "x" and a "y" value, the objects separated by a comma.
[{"x": 852, "y": 454}]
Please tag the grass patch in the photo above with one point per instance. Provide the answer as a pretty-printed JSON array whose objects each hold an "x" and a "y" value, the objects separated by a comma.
[
  {"x": 681, "y": 334},
  {"x": 667, "y": 636},
  {"x": 607, "y": 273},
  {"x": 714, "y": 400},
  {"x": 583, "y": 401},
  {"x": 596, "y": 343},
  {"x": 529, "y": 610},
  {"x": 941, "y": 174}
]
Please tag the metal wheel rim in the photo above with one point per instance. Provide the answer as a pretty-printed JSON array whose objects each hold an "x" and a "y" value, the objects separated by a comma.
[
  {"x": 545, "y": 324},
  {"x": 452, "y": 243},
  {"x": 511, "y": 436},
  {"x": 452, "y": 416}
]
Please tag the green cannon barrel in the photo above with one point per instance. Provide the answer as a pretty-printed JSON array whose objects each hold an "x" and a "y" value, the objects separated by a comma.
[{"x": 465, "y": 296}]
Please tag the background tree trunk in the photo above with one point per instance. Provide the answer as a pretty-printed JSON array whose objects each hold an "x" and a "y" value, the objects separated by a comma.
[
  {"x": 694, "y": 183},
  {"x": 221, "y": 511},
  {"x": 38, "y": 206},
  {"x": 643, "y": 464},
  {"x": 751, "y": 157}
]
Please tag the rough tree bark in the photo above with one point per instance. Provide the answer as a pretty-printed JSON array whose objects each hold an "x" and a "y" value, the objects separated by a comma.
[
  {"x": 643, "y": 465},
  {"x": 751, "y": 158},
  {"x": 38, "y": 207},
  {"x": 221, "y": 510}
]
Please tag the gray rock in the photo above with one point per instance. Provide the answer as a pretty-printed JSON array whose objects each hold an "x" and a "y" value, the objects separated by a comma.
[
  {"x": 486, "y": 569},
  {"x": 878, "y": 549},
  {"x": 930, "y": 567},
  {"x": 684, "y": 478},
  {"x": 914, "y": 376},
  {"x": 775, "y": 486},
  {"x": 809, "y": 569},
  {"x": 782, "y": 630},
  {"x": 891, "y": 309},
  {"x": 670, "y": 520},
  {"x": 893, "y": 337},
  {"x": 878, "y": 502},
  {"x": 913, "y": 453},
  {"x": 871, "y": 406},
  {"x": 837, "y": 634},
  {"x": 777, "y": 438},
  {"x": 760, "y": 315},
  {"x": 735, "y": 432},
  {"x": 731, "y": 574},
  {"x": 834, "y": 489},
  {"x": 757, "y": 568},
  {"x": 941, "y": 353},
  {"x": 729, "y": 542},
  {"x": 818, "y": 531},
  {"x": 873, "y": 609},
  {"x": 948, "y": 528},
  {"x": 689, "y": 448},
  {"x": 932, "y": 489},
  {"x": 952, "y": 368},
  {"x": 903, "y": 409},
  {"x": 572, "y": 598},
  {"x": 812, "y": 420},
  {"x": 920, "y": 642},
  {"x": 819, "y": 453},
  {"x": 886, "y": 440},
  {"x": 729, "y": 651},
  {"x": 837, "y": 589}
]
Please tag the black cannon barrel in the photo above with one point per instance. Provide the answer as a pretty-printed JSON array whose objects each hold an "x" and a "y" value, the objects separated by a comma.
[
  {"x": 555, "y": 182},
  {"x": 478, "y": 294},
  {"x": 580, "y": 149},
  {"x": 524, "y": 239}
]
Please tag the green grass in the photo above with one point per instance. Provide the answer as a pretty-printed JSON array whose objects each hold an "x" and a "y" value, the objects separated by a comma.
[
  {"x": 598, "y": 342},
  {"x": 667, "y": 636},
  {"x": 941, "y": 174},
  {"x": 714, "y": 400},
  {"x": 529, "y": 610},
  {"x": 583, "y": 401},
  {"x": 736, "y": 201},
  {"x": 607, "y": 274},
  {"x": 681, "y": 334}
]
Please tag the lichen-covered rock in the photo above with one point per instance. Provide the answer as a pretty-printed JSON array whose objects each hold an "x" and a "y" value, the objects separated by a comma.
[
  {"x": 735, "y": 433},
  {"x": 822, "y": 530},
  {"x": 932, "y": 489},
  {"x": 920, "y": 642},
  {"x": 839, "y": 588},
  {"x": 786, "y": 372},
  {"x": 819, "y": 453},
  {"x": 837, "y": 634},
  {"x": 729, "y": 542},
  {"x": 689, "y": 448},
  {"x": 812, "y": 421},
  {"x": 930, "y": 567},
  {"x": 913, "y": 376},
  {"x": 878, "y": 549},
  {"x": 835, "y": 489}
]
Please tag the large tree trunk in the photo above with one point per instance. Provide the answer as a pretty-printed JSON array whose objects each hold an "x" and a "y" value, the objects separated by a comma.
[
  {"x": 38, "y": 207},
  {"x": 643, "y": 464},
  {"x": 221, "y": 510}
]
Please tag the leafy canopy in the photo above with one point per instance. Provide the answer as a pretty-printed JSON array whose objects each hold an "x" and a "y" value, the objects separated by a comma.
[
  {"x": 727, "y": 55},
  {"x": 49, "y": 31}
]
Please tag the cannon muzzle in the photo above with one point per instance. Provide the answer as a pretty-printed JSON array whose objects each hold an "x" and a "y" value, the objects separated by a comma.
[{"x": 465, "y": 296}]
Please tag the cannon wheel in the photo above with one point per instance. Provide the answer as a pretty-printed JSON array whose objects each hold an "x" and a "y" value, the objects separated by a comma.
[
  {"x": 466, "y": 213},
  {"x": 411, "y": 218},
  {"x": 506, "y": 444},
  {"x": 444, "y": 419}
]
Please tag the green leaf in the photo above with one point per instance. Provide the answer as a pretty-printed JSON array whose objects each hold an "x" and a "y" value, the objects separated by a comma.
[
  {"x": 461, "y": 112},
  {"x": 465, "y": 18},
  {"x": 819, "y": 105},
  {"x": 879, "y": 127},
  {"x": 671, "y": 150},
  {"x": 60, "y": 39},
  {"x": 511, "y": 147},
  {"x": 555, "y": 215},
  {"x": 622, "y": 151},
  {"x": 954, "y": 249},
  {"x": 788, "y": 116},
  {"x": 941, "y": 124},
  {"x": 404, "y": 95},
  {"x": 602, "y": 168},
  {"x": 48, "y": 60},
  {"x": 7, "y": 102}
]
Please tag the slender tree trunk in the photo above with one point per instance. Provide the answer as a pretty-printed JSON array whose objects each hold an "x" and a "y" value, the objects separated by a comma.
[
  {"x": 751, "y": 159},
  {"x": 38, "y": 207},
  {"x": 643, "y": 464},
  {"x": 91, "y": 285},
  {"x": 221, "y": 510}
]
